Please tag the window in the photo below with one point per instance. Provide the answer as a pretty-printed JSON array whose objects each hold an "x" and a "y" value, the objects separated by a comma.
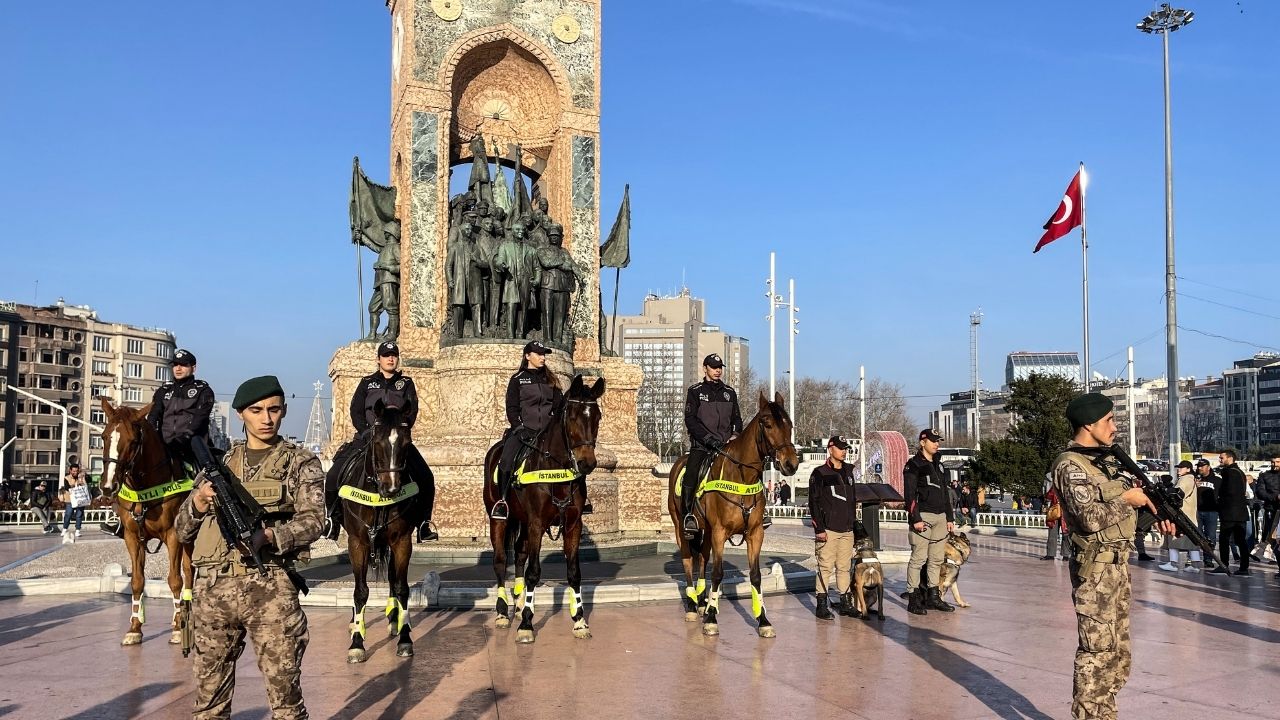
[
  {"x": 101, "y": 343},
  {"x": 22, "y": 354},
  {"x": 101, "y": 367},
  {"x": 44, "y": 458},
  {"x": 97, "y": 390},
  {"x": 95, "y": 441},
  {"x": 97, "y": 416},
  {"x": 162, "y": 372},
  {"x": 24, "y": 330},
  {"x": 164, "y": 351},
  {"x": 133, "y": 346},
  {"x": 45, "y": 382},
  {"x": 133, "y": 395},
  {"x": 133, "y": 370}
]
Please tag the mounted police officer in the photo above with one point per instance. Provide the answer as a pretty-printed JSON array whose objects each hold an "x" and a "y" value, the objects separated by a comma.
[
  {"x": 180, "y": 413},
  {"x": 231, "y": 599},
  {"x": 712, "y": 419},
  {"x": 395, "y": 389},
  {"x": 1098, "y": 505},
  {"x": 533, "y": 396}
]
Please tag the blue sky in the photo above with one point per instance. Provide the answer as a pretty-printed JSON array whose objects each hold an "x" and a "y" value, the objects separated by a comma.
[{"x": 187, "y": 166}]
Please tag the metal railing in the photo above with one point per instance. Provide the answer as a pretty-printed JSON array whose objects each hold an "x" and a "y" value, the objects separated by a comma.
[
  {"x": 28, "y": 517},
  {"x": 997, "y": 519}
]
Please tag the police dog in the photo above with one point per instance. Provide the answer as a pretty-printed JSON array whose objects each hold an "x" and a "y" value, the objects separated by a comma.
[
  {"x": 957, "y": 554},
  {"x": 867, "y": 578}
]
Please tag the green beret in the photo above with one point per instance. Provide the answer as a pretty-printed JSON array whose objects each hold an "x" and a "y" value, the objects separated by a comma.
[
  {"x": 255, "y": 389},
  {"x": 1088, "y": 409}
]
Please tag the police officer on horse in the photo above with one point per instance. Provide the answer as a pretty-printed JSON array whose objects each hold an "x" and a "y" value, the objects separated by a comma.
[
  {"x": 533, "y": 394},
  {"x": 395, "y": 389},
  {"x": 712, "y": 418}
]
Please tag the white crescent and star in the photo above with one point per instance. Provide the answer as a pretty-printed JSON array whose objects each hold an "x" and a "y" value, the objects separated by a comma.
[{"x": 1066, "y": 210}]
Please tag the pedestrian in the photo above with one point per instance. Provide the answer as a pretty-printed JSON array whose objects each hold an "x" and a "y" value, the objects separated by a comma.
[
  {"x": 1182, "y": 544},
  {"x": 832, "y": 505},
  {"x": 75, "y": 499},
  {"x": 930, "y": 518},
  {"x": 231, "y": 598},
  {"x": 712, "y": 418},
  {"x": 390, "y": 386},
  {"x": 1098, "y": 509},
  {"x": 1057, "y": 536},
  {"x": 1268, "y": 490},
  {"x": 40, "y": 503},
  {"x": 1233, "y": 511},
  {"x": 1207, "y": 500},
  {"x": 784, "y": 493}
]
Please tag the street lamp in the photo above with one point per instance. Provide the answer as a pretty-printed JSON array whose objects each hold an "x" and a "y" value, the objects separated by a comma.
[{"x": 1163, "y": 21}]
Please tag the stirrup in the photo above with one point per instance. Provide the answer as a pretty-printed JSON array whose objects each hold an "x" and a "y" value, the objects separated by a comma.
[
  {"x": 499, "y": 511},
  {"x": 426, "y": 533},
  {"x": 587, "y": 508},
  {"x": 766, "y": 522},
  {"x": 690, "y": 525}
]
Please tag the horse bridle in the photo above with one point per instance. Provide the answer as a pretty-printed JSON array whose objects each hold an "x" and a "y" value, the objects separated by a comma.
[
  {"x": 382, "y": 516},
  {"x": 766, "y": 453},
  {"x": 564, "y": 427},
  {"x": 124, "y": 472}
]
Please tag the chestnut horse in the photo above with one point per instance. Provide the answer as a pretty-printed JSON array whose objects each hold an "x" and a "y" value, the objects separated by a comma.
[
  {"x": 380, "y": 524},
  {"x": 567, "y": 444},
  {"x": 722, "y": 513},
  {"x": 148, "y": 494}
]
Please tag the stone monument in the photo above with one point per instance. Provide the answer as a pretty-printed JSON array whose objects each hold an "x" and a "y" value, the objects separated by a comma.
[{"x": 518, "y": 79}]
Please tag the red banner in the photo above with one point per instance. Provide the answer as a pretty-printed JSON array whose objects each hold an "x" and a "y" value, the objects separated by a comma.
[{"x": 1068, "y": 216}]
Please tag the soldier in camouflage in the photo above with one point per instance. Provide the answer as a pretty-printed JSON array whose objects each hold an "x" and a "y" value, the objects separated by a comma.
[
  {"x": 1098, "y": 507},
  {"x": 231, "y": 599}
]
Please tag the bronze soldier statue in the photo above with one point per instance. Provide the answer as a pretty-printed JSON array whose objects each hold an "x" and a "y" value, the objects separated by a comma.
[
  {"x": 479, "y": 184},
  {"x": 559, "y": 276},
  {"x": 516, "y": 264},
  {"x": 386, "y": 287},
  {"x": 462, "y": 275}
]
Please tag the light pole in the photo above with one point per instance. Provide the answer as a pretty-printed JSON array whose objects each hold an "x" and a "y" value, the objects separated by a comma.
[
  {"x": 774, "y": 298},
  {"x": 975, "y": 319},
  {"x": 862, "y": 423},
  {"x": 791, "y": 351},
  {"x": 1163, "y": 21}
]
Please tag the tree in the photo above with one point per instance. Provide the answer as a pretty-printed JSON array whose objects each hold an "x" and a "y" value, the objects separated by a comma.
[
  {"x": 1201, "y": 428},
  {"x": 1039, "y": 432}
]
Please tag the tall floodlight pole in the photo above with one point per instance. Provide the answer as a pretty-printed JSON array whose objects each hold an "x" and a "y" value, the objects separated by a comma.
[
  {"x": 975, "y": 319},
  {"x": 862, "y": 422},
  {"x": 1163, "y": 21},
  {"x": 791, "y": 360}
]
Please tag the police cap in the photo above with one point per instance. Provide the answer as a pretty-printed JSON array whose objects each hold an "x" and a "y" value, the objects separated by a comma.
[
  {"x": 255, "y": 389},
  {"x": 388, "y": 348},
  {"x": 536, "y": 347},
  {"x": 183, "y": 357},
  {"x": 712, "y": 361},
  {"x": 1088, "y": 409}
]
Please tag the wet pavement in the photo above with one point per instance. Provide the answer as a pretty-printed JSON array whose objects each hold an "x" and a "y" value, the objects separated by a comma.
[{"x": 1204, "y": 646}]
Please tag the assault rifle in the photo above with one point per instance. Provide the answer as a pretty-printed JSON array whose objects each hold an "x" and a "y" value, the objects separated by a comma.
[
  {"x": 242, "y": 521},
  {"x": 1167, "y": 497}
]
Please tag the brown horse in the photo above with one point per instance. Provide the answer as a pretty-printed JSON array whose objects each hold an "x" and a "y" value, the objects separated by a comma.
[
  {"x": 567, "y": 443},
  {"x": 147, "y": 501},
  {"x": 723, "y": 514},
  {"x": 381, "y": 530}
]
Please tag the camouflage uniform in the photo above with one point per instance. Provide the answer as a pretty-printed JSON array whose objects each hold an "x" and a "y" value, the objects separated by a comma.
[
  {"x": 1102, "y": 528},
  {"x": 232, "y": 600}
]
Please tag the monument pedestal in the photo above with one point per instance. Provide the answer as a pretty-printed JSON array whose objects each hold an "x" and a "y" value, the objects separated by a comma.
[{"x": 462, "y": 413}]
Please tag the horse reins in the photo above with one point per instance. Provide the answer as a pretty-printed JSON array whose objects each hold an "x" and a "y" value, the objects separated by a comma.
[
  {"x": 767, "y": 454},
  {"x": 382, "y": 516},
  {"x": 138, "y": 510}
]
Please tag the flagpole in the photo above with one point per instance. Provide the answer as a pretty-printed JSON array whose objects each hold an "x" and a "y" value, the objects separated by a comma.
[
  {"x": 1084, "y": 255},
  {"x": 613, "y": 327}
]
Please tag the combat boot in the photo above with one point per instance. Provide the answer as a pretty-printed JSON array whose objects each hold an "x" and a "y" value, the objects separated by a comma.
[
  {"x": 426, "y": 533},
  {"x": 823, "y": 612},
  {"x": 915, "y": 602},
  {"x": 934, "y": 601},
  {"x": 846, "y": 607}
]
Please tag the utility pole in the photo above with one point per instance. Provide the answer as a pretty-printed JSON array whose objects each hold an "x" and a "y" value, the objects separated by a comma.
[
  {"x": 791, "y": 338},
  {"x": 773, "y": 299},
  {"x": 1133, "y": 425},
  {"x": 975, "y": 320},
  {"x": 862, "y": 422}
]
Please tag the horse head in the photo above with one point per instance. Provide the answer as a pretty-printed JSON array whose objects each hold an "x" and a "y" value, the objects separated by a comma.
[
  {"x": 388, "y": 448},
  {"x": 581, "y": 415},
  {"x": 123, "y": 439},
  {"x": 775, "y": 431}
]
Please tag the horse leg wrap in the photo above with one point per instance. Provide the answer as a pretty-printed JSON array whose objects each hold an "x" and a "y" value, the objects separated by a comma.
[
  {"x": 391, "y": 606},
  {"x": 402, "y": 617},
  {"x": 139, "y": 610},
  {"x": 518, "y": 591},
  {"x": 504, "y": 600},
  {"x": 692, "y": 594},
  {"x": 702, "y": 588},
  {"x": 357, "y": 621},
  {"x": 713, "y": 602},
  {"x": 757, "y": 603},
  {"x": 186, "y": 594},
  {"x": 574, "y": 607},
  {"x": 528, "y": 599}
]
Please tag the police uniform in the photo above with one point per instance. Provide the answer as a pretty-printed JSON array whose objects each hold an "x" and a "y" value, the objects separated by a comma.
[
  {"x": 231, "y": 599},
  {"x": 928, "y": 499},
  {"x": 180, "y": 413},
  {"x": 1101, "y": 525},
  {"x": 832, "y": 505},
  {"x": 531, "y": 401},
  {"x": 711, "y": 417},
  {"x": 396, "y": 391}
]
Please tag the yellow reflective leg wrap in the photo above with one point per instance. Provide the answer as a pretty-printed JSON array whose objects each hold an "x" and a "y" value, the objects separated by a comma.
[
  {"x": 357, "y": 624},
  {"x": 391, "y": 605},
  {"x": 519, "y": 587},
  {"x": 691, "y": 594},
  {"x": 702, "y": 586},
  {"x": 573, "y": 602},
  {"x": 502, "y": 594},
  {"x": 757, "y": 603},
  {"x": 186, "y": 594},
  {"x": 402, "y": 616}
]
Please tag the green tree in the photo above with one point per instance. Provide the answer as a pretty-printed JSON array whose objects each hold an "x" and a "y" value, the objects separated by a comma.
[{"x": 1039, "y": 432}]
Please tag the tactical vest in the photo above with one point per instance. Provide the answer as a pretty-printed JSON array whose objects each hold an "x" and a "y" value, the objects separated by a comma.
[
  {"x": 271, "y": 484},
  {"x": 1111, "y": 544}
]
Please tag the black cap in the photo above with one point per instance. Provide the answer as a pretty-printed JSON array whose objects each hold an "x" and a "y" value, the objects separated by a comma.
[
  {"x": 1185, "y": 464},
  {"x": 536, "y": 347},
  {"x": 255, "y": 389},
  {"x": 1088, "y": 409},
  {"x": 388, "y": 348},
  {"x": 41, "y": 484},
  {"x": 838, "y": 441},
  {"x": 1201, "y": 461},
  {"x": 931, "y": 434},
  {"x": 183, "y": 357},
  {"x": 712, "y": 361}
]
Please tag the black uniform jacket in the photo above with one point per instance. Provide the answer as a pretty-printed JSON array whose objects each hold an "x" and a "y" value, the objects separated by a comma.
[
  {"x": 531, "y": 400},
  {"x": 831, "y": 498},
  {"x": 395, "y": 391},
  {"x": 711, "y": 413},
  {"x": 180, "y": 409},
  {"x": 924, "y": 487}
]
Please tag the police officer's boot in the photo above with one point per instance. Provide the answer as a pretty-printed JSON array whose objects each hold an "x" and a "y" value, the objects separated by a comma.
[
  {"x": 822, "y": 612},
  {"x": 915, "y": 602},
  {"x": 500, "y": 509},
  {"x": 846, "y": 607},
  {"x": 333, "y": 519},
  {"x": 934, "y": 601},
  {"x": 113, "y": 526},
  {"x": 426, "y": 533}
]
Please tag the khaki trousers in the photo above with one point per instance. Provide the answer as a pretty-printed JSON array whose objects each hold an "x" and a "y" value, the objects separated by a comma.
[
  {"x": 836, "y": 552},
  {"x": 927, "y": 547}
]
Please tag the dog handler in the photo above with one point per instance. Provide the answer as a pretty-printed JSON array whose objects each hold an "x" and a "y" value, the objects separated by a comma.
[
  {"x": 1098, "y": 508},
  {"x": 930, "y": 515},
  {"x": 831, "y": 505}
]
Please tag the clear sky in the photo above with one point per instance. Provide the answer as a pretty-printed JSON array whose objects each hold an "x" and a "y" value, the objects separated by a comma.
[{"x": 187, "y": 165}]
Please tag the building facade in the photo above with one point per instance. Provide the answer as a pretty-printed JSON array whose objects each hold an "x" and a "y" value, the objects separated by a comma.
[
  {"x": 1242, "y": 400},
  {"x": 954, "y": 419},
  {"x": 668, "y": 340},
  {"x": 1019, "y": 365}
]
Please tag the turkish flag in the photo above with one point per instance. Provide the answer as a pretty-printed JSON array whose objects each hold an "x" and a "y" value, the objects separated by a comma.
[{"x": 1068, "y": 216}]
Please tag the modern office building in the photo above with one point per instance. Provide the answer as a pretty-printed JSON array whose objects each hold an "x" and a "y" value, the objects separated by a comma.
[
  {"x": 1019, "y": 365},
  {"x": 1242, "y": 400},
  {"x": 954, "y": 419}
]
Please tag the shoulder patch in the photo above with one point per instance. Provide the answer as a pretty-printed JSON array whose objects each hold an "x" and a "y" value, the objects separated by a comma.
[{"x": 1084, "y": 493}]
